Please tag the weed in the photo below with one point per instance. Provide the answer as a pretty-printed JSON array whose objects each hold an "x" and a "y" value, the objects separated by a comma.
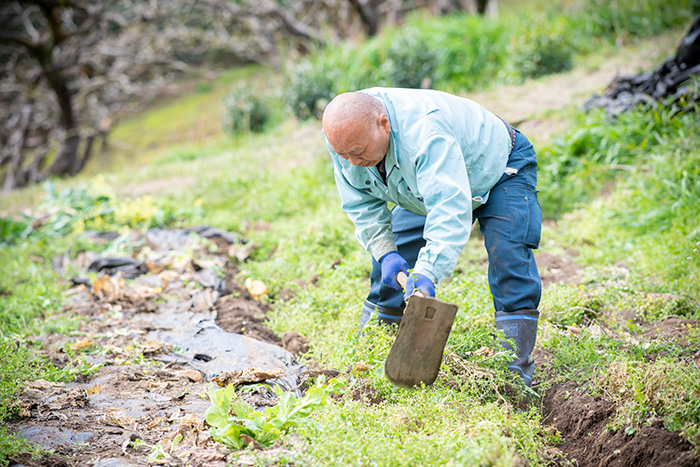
[
  {"x": 247, "y": 425},
  {"x": 158, "y": 454},
  {"x": 570, "y": 305},
  {"x": 14, "y": 445}
]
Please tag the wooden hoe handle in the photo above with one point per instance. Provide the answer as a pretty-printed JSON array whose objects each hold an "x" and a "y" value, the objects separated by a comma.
[{"x": 401, "y": 278}]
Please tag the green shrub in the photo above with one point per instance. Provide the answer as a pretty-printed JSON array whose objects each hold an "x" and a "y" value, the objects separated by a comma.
[
  {"x": 464, "y": 52},
  {"x": 310, "y": 86},
  {"x": 542, "y": 48},
  {"x": 471, "y": 51},
  {"x": 12, "y": 230},
  {"x": 409, "y": 60},
  {"x": 246, "y": 109}
]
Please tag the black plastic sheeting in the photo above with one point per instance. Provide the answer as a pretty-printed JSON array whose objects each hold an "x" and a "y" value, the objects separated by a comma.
[
  {"x": 202, "y": 344},
  {"x": 129, "y": 267},
  {"x": 670, "y": 82},
  {"x": 191, "y": 331}
]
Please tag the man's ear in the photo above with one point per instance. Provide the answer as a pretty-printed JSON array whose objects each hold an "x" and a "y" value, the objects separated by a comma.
[{"x": 383, "y": 121}]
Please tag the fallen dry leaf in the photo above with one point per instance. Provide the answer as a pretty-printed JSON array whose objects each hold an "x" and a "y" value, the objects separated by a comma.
[
  {"x": 158, "y": 386},
  {"x": 154, "y": 423},
  {"x": 81, "y": 344},
  {"x": 153, "y": 346},
  {"x": 118, "y": 417},
  {"x": 242, "y": 252},
  {"x": 42, "y": 385},
  {"x": 193, "y": 375},
  {"x": 25, "y": 409},
  {"x": 107, "y": 288},
  {"x": 484, "y": 351},
  {"x": 361, "y": 366},
  {"x": 247, "y": 375},
  {"x": 192, "y": 421},
  {"x": 155, "y": 268}
]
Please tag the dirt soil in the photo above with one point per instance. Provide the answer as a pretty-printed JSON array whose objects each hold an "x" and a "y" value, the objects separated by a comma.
[
  {"x": 144, "y": 388},
  {"x": 582, "y": 420}
]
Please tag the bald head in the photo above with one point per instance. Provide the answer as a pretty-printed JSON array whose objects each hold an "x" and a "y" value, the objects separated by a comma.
[
  {"x": 356, "y": 125},
  {"x": 356, "y": 107}
]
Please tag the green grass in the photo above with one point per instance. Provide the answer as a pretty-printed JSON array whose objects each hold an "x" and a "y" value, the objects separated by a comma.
[{"x": 192, "y": 113}]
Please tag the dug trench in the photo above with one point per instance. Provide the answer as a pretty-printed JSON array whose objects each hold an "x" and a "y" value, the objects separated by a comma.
[
  {"x": 584, "y": 416},
  {"x": 583, "y": 419},
  {"x": 157, "y": 327}
]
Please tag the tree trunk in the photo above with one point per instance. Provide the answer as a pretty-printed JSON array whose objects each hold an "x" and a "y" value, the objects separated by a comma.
[
  {"x": 368, "y": 15},
  {"x": 68, "y": 152},
  {"x": 87, "y": 152},
  {"x": 14, "y": 149}
]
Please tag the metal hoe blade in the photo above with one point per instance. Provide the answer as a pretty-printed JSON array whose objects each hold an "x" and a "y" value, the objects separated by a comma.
[{"x": 416, "y": 354}]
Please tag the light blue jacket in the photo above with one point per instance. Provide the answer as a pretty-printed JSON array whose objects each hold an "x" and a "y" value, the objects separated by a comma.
[{"x": 445, "y": 154}]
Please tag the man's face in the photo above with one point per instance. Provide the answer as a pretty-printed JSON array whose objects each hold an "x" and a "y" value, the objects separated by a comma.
[{"x": 362, "y": 145}]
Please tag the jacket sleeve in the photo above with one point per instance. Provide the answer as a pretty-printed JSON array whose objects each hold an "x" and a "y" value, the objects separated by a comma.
[
  {"x": 443, "y": 183},
  {"x": 370, "y": 215}
]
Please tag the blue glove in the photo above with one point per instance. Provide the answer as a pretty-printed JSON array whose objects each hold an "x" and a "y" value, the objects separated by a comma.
[
  {"x": 392, "y": 263},
  {"x": 421, "y": 283}
]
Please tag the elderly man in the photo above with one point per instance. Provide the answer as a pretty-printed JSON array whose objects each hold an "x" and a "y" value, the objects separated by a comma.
[{"x": 443, "y": 161}]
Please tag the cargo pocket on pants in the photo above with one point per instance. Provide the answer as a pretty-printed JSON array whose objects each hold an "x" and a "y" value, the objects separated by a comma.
[{"x": 526, "y": 215}]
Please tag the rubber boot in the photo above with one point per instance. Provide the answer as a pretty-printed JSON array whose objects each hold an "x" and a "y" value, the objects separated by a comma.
[
  {"x": 521, "y": 326},
  {"x": 386, "y": 316}
]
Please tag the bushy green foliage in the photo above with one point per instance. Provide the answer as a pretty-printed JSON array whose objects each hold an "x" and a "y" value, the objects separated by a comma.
[
  {"x": 542, "y": 47},
  {"x": 12, "y": 230},
  {"x": 13, "y": 445},
  {"x": 653, "y": 156},
  {"x": 409, "y": 61},
  {"x": 248, "y": 108},
  {"x": 471, "y": 52},
  {"x": 18, "y": 364},
  {"x": 310, "y": 86}
]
